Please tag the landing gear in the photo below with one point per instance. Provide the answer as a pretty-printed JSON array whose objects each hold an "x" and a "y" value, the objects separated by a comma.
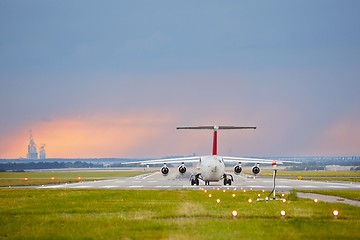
[
  {"x": 207, "y": 182},
  {"x": 228, "y": 179},
  {"x": 194, "y": 179}
]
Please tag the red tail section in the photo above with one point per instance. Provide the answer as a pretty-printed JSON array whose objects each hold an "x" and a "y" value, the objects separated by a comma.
[
  {"x": 215, "y": 143},
  {"x": 216, "y": 128}
]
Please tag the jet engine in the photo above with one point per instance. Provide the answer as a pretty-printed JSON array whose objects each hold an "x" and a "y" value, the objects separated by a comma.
[
  {"x": 182, "y": 169},
  {"x": 256, "y": 169},
  {"x": 237, "y": 169},
  {"x": 164, "y": 170}
]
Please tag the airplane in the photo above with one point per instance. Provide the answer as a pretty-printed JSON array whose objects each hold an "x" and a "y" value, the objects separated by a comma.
[{"x": 211, "y": 168}]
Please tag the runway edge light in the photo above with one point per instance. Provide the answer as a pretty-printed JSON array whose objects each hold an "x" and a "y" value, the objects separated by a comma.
[
  {"x": 234, "y": 213},
  {"x": 282, "y": 214}
]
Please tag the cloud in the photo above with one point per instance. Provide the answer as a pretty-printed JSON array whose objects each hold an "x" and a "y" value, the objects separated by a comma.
[
  {"x": 100, "y": 135},
  {"x": 340, "y": 138}
]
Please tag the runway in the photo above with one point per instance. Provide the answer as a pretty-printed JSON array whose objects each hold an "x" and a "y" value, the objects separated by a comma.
[{"x": 175, "y": 181}]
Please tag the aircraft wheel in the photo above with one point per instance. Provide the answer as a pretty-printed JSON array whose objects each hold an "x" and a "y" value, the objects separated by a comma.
[
  {"x": 197, "y": 182},
  {"x": 229, "y": 181}
]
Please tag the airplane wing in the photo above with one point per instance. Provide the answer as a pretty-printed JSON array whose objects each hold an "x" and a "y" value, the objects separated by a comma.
[
  {"x": 168, "y": 160},
  {"x": 255, "y": 160}
]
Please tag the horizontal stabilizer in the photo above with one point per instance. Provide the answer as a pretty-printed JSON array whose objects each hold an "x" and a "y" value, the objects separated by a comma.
[{"x": 216, "y": 127}]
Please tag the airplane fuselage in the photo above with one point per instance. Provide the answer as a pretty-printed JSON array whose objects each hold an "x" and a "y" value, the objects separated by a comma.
[{"x": 211, "y": 168}]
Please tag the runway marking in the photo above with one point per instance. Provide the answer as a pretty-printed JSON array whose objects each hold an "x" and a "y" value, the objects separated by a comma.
[
  {"x": 150, "y": 175},
  {"x": 283, "y": 186},
  {"x": 338, "y": 186},
  {"x": 57, "y": 186},
  {"x": 106, "y": 180}
]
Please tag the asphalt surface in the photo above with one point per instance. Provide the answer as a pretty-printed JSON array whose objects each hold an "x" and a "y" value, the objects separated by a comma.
[{"x": 175, "y": 181}]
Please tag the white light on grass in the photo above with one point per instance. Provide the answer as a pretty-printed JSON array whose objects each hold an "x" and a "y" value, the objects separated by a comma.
[
  {"x": 218, "y": 200},
  {"x": 234, "y": 213},
  {"x": 209, "y": 195},
  {"x": 250, "y": 200},
  {"x": 282, "y": 213},
  {"x": 284, "y": 200},
  {"x": 315, "y": 200},
  {"x": 233, "y": 195},
  {"x": 336, "y": 213}
]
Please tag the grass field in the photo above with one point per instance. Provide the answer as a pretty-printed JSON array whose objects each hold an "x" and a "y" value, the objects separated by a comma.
[
  {"x": 177, "y": 214},
  {"x": 42, "y": 178}
]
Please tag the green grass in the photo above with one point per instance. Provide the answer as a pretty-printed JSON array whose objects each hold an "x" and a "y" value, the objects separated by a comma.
[
  {"x": 176, "y": 214},
  {"x": 43, "y": 178}
]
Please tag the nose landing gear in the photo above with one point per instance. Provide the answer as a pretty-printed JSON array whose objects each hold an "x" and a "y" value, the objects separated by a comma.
[
  {"x": 194, "y": 179},
  {"x": 228, "y": 179}
]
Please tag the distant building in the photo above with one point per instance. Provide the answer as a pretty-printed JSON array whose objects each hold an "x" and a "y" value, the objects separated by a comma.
[
  {"x": 337, "y": 168},
  {"x": 32, "y": 152},
  {"x": 42, "y": 152}
]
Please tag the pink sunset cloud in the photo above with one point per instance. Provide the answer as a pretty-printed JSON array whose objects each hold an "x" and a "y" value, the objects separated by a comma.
[
  {"x": 340, "y": 138},
  {"x": 102, "y": 135}
]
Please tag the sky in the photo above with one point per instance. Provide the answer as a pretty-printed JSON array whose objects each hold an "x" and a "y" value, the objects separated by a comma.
[{"x": 115, "y": 78}]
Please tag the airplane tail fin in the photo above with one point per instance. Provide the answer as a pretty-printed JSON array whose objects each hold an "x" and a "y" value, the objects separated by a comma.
[{"x": 215, "y": 128}]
